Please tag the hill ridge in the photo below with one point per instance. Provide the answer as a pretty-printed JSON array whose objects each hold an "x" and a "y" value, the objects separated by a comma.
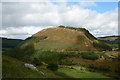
[{"x": 64, "y": 38}]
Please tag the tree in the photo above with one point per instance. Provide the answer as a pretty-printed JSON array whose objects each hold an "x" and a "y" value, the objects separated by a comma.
[
  {"x": 61, "y": 26},
  {"x": 37, "y": 62},
  {"x": 52, "y": 66}
]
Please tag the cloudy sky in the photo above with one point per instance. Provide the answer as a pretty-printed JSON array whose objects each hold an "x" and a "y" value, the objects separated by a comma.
[{"x": 21, "y": 20}]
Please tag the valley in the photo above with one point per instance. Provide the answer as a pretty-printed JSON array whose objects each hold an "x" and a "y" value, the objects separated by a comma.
[{"x": 62, "y": 52}]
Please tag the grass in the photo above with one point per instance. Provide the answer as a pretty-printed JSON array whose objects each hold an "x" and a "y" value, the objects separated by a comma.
[
  {"x": 51, "y": 56},
  {"x": 89, "y": 55},
  {"x": 104, "y": 55},
  {"x": 80, "y": 73},
  {"x": 57, "y": 57},
  {"x": 12, "y": 68},
  {"x": 101, "y": 45},
  {"x": 69, "y": 73},
  {"x": 96, "y": 43},
  {"x": 90, "y": 36},
  {"x": 59, "y": 39},
  {"x": 50, "y": 45}
]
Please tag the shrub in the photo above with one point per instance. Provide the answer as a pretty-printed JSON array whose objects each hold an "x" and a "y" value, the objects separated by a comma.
[
  {"x": 89, "y": 55},
  {"x": 27, "y": 59},
  {"x": 101, "y": 45},
  {"x": 104, "y": 55},
  {"x": 61, "y": 26},
  {"x": 53, "y": 67},
  {"x": 37, "y": 62},
  {"x": 50, "y": 57},
  {"x": 69, "y": 63},
  {"x": 72, "y": 54},
  {"x": 92, "y": 66},
  {"x": 101, "y": 68}
]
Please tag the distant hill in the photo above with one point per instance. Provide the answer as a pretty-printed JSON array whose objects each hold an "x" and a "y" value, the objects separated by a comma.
[
  {"x": 10, "y": 43},
  {"x": 112, "y": 40}
]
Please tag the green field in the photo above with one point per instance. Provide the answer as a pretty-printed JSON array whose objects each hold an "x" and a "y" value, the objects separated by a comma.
[
  {"x": 13, "y": 68},
  {"x": 80, "y": 73}
]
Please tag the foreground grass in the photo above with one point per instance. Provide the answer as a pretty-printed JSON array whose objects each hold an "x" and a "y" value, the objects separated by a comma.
[
  {"x": 80, "y": 73},
  {"x": 13, "y": 68},
  {"x": 69, "y": 73}
]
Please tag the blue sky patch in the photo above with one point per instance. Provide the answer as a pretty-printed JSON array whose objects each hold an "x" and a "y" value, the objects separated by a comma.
[
  {"x": 104, "y": 6},
  {"x": 100, "y": 7}
]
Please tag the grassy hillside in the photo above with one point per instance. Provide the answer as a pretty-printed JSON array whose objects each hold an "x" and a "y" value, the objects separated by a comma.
[
  {"x": 13, "y": 68},
  {"x": 59, "y": 38},
  {"x": 86, "y": 32},
  {"x": 64, "y": 39},
  {"x": 114, "y": 41},
  {"x": 56, "y": 40},
  {"x": 96, "y": 43}
]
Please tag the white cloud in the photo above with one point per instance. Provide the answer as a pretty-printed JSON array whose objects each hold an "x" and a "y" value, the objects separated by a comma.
[
  {"x": 20, "y": 32},
  {"x": 48, "y": 14}
]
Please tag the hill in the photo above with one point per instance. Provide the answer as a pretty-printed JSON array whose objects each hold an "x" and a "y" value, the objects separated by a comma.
[
  {"x": 54, "y": 46},
  {"x": 57, "y": 39},
  {"x": 64, "y": 39},
  {"x": 112, "y": 40},
  {"x": 10, "y": 43}
]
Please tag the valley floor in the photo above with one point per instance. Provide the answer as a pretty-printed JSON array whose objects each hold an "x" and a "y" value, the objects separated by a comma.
[{"x": 13, "y": 68}]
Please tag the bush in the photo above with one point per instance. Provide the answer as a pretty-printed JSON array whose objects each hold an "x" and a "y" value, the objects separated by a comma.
[
  {"x": 101, "y": 45},
  {"x": 101, "y": 68},
  {"x": 72, "y": 54},
  {"x": 104, "y": 55},
  {"x": 37, "y": 62},
  {"x": 92, "y": 66},
  {"x": 61, "y": 26},
  {"x": 89, "y": 55},
  {"x": 53, "y": 67},
  {"x": 69, "y": 63},
  {"x": 50, "y": 57}
]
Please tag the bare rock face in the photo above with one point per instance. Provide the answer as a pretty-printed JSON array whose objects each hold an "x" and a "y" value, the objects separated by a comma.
[{"x": 31, "y": 66}]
